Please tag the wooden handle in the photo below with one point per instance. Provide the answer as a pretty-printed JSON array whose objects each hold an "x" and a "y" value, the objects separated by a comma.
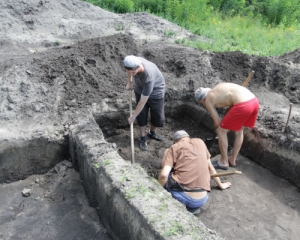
[
  {"x": 245, "y": 83},
  {"x": 131, "y": 125},
  {"x": 248, "y": 79},
  {"x": 288, "y": 119},
  {"x": 225, "y": 173}
]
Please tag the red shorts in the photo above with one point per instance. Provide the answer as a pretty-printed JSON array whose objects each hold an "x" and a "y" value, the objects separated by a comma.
[{"x": 241, "y": 114}]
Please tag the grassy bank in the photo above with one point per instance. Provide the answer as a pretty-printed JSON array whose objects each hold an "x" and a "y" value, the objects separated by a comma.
[
  {"x": 246, "y": 35},
  {"x": 249, "y": 33}
]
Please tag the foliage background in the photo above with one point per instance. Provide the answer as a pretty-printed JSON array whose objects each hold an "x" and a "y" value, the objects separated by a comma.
[{"x": 260, "y": 27}]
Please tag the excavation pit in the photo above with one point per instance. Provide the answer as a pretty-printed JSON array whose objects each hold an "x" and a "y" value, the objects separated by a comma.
[
  {"x": 275, "y": 202},
  {"x": 102, "y": 157},
  {"x": 48, "y": 92},
  {"x": 181, "y": 116}
]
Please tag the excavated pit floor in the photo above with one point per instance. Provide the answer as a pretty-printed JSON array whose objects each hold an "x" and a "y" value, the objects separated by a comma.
[
  {"x": 56, "y": 209},
  {"x": 259, "y": 205}
]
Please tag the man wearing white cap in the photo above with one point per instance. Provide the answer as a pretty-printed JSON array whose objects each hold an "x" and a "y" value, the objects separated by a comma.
[
  {"x": 186, "y": 169},
  {"x": 149, "y": 88},
  {"x": 244, "y": 107}
]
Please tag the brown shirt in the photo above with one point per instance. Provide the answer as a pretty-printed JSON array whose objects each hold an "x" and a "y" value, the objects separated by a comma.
[{"x": 189, "y": 161}]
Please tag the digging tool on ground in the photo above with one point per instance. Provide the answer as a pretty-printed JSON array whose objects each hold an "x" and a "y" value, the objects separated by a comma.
[
  {"x": 131, "y": 125},
  {"x": 222, "y": 174},
  {"x": 210, "y": 141},
  {"x": 288, "y": 119}
]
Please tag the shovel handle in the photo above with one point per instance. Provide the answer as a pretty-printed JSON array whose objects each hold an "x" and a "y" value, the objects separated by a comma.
[
  {"x": 288, "y": 119},
  {"x": 245, "y": 83},
  {"x": 248, "y": 79},
  {"x": 222, "y": 174},
  {"x": 131, "y": 125}
]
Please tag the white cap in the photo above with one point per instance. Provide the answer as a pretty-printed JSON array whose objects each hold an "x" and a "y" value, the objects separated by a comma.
[
  {"x": 201, "y": 93},
  {"x": 132, "y": 61},
  {"x": 180, "y": 134}
]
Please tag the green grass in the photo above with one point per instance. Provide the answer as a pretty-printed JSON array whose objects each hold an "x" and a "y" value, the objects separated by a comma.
[
  {"x": 246, "y": 35},
  {"x": 250, "y": 35}
]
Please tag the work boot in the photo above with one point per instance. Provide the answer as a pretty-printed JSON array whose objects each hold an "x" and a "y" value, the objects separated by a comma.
[
  {"x": 143, "y": 145},
  {"x": 155, "y": 136},
  {"x": 194, "y": 211}
]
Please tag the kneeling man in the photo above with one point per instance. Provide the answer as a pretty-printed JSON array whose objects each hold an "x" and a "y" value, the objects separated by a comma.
[{"x": 186, "y": 169}]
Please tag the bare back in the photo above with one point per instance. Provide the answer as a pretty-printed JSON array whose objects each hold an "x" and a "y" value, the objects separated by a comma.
[
  {"x": 228, "y": 94},
  {"x": 225, "y": 95}
]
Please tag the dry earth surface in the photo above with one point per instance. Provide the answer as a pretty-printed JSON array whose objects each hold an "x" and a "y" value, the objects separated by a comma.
[{"x": 62, "y": 59}]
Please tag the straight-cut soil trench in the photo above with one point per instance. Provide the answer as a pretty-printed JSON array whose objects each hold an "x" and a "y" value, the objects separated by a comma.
[{"x": 259, "y": 205}]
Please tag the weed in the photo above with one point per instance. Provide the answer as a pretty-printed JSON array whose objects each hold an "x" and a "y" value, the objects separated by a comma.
[
  {"x": 97, "y": 165},
  {"x": 175, "y": 229},
  {"x": 163, "y": 207},
  {"x": 124, "y": 177},
  {"x": 169, "y": 33},
  {"x": 106, "y": 162},
  {"x": 130, "y": 193},
  {"x": 142, "y": 189},
  {"x": 120, "y": 27}
]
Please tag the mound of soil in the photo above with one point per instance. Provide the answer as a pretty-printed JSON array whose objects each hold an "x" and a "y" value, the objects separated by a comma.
[{"x": 62, "y": 60}]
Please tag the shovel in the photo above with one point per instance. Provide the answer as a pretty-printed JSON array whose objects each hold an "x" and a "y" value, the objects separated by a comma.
[
  {"x": 211, "y": 140},
  {"x": 131, "y": 125},
  {"x": 222, "y": 174}
]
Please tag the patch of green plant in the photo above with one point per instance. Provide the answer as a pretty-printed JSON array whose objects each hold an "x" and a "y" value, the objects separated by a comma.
[
  {"x": 105, "y": 162},
  {"x": 246, "y": 35},
  {"x": 120, "y": 27},
  {"x": 265, "y": 28},
  {"x": 125, "y": 176},
  {"x": 130, "y": 193},
  {"x": 142, "y": 189},
  {"x": 97, "y": 165},
  {"x": 168, "y": 33},
  {"x": 163, "y": 207},
  {"x": 175, "y": 229}
]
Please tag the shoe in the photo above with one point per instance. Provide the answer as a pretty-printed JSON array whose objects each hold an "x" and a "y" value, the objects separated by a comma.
[
  {"x": 155, "y": 136},
  {"x": 217, "y": 166},
  {"x": 143, "y": 145},
  {"x": 231, "y": 165},
  {"x": 193, "y": 210}
]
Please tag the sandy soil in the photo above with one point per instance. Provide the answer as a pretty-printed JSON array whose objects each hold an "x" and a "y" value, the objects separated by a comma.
[
  {"x": 57, "y": 208},
  {"x": 63, "y": 58}
]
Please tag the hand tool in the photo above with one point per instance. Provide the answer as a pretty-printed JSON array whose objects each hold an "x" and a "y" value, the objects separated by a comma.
[
  {"x": 222, "y": 174},
  {"x": 131, "y": 125},
  {"x": 287, "y": 122}
]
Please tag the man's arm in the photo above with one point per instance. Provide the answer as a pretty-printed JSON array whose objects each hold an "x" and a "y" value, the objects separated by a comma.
[
  {"x": 138, "y": 109},
  {"x": 212, "y": 170},
  {"x": 213, "y": 112},
  {"x": 164, "y": 174}
]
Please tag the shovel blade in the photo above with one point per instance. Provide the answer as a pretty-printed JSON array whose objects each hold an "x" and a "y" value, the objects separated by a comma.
[{"x": 210, "y": 141}]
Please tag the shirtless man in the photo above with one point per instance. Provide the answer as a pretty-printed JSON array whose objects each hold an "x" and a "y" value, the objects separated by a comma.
[{"x": 243, "y": 113}]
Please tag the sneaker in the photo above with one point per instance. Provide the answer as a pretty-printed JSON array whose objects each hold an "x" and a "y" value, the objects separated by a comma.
[
  {"x": 193, "y": 210},
  {"x": 155, "y": 136},
  {"x": 143, "y": 145}
]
